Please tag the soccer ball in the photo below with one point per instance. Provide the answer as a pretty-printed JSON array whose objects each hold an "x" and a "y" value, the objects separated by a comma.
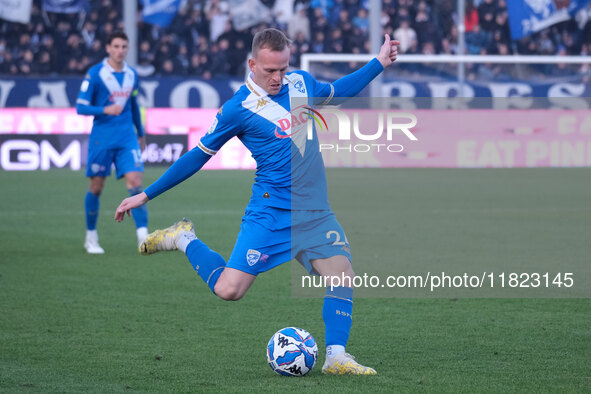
[{"x": 292, "y": 352}]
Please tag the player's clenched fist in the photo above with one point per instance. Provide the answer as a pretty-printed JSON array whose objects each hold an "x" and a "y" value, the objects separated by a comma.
[
  {"x": 388, "y": 51},
  {"x": 128, "y": 204}
]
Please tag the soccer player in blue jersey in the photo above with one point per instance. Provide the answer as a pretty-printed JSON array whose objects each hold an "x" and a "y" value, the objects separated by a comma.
[
  {"x": 109, "y": 93},
  {"x": 288, "y": 215}
]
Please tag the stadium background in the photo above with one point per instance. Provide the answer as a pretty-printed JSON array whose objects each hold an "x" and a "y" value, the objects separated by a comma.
[
  {"x": 193, "y": 56},
  {"x": 73, "y": 322}
]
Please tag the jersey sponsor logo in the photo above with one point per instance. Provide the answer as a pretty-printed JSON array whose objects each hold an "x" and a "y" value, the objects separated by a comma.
[
  {"x": 298, "y": 121},
  {"x": 252, "y": 257},
  {"x": 261, "y": 103},
  {"x": 119, "y": 93}
]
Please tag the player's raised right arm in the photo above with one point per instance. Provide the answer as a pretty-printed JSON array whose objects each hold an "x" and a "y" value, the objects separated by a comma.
[{"x": 352, "y": 84}]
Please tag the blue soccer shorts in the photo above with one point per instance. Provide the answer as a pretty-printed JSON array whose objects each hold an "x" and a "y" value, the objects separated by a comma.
[
  {"x": 271, "y": 236},
  {"x": 127, "y": 159}
]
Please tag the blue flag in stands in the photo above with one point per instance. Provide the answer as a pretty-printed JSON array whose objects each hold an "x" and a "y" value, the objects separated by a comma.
[
  {"x": 159, "y": 12},
  {"x": 65, "y": 6},
  {"x": 529, "y": 16},
  {"x": 16, "y": 12}
]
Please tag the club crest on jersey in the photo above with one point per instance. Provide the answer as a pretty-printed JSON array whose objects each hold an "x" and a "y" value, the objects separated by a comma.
[
  {"x": 299, "y": 85},
  {"x": 252, "y": 257}
]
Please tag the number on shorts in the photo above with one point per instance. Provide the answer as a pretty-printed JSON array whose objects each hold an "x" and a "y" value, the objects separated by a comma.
[{"x": 337, "y": 241}]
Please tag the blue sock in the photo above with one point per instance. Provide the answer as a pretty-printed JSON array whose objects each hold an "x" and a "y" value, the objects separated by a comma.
[
  {"x": 208, "y": 264},
  {"x": 140, "y": 214},
  {"x": 91, "y": 208},
  {"x": 336, "y": 313}
]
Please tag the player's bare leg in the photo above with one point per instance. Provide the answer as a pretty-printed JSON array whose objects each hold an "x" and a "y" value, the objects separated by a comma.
[
  {"x": 336, "y": 312},
  {"x": 233, "y": 284},
  {"x": 133, "y": 181},
  {"x": 91, "y": 206}
]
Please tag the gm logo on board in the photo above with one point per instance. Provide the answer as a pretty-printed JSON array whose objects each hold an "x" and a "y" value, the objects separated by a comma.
[{"x": 28, "y": 155}]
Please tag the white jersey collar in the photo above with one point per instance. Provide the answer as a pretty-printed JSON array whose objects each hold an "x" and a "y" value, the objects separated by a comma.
[
  {"x": 111, "y": 69},
  {"x": 256, "y": 89}
]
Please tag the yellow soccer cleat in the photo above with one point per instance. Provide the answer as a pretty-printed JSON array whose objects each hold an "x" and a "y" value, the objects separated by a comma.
[
  {"x": 345, "y": 364},
  {"x": 166, "y": 239}
]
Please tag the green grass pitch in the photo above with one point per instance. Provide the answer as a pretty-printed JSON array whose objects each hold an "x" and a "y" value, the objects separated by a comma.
[{"x": 122, "y": 322}]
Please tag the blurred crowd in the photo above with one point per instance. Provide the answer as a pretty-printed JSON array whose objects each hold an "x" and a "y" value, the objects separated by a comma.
[
  {"x": 202, "y": 41},
  {"x": 58, "y": 44}
]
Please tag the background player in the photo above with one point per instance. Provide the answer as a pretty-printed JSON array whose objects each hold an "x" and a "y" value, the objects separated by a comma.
[
  {"x": 288, "y": 215},
  {"x": 109, "y": 93}
]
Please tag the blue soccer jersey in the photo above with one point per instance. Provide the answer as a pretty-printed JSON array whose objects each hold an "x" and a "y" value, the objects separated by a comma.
[
  {"x": 288, "y": 215},
  {"x": 104, "y": 86},
  {"x": 290, "y": 170}
]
